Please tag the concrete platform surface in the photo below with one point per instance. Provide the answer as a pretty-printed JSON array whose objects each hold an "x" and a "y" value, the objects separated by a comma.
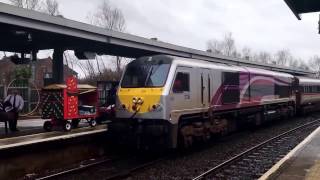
[
  {"x": 7, "y": 143},
  {"x": 303, "y": 162},
  {"x": 29, "y": 127}
]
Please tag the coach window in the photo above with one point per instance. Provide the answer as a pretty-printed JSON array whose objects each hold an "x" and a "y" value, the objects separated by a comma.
[
  {"x": 231, "y": 83},
  {"x": 181, "y": 83}
]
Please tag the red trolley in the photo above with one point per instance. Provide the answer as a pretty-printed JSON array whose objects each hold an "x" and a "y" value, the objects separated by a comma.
[{"x": 66, "y": 105}]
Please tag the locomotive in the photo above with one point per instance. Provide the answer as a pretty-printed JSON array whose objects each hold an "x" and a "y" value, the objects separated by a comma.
[{"x": 169, "y": 101}]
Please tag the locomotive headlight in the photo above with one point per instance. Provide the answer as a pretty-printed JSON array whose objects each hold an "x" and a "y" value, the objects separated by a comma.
[
  {"x": 140, "y": 101},
  {"x": 156, "y": 107},
  {"x": 134, "y": 100}
]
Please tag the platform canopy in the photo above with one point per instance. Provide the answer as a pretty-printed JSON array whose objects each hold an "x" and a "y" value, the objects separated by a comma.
[
  {"x": 24, "y": 30},
  {"x": 303, "y": 6}
]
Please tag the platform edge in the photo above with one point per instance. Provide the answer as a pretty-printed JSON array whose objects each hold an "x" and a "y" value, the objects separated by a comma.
[{"x": 297, "y": 149}]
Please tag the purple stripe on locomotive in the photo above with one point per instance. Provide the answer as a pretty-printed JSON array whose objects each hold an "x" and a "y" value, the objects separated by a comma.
[{"x": 246, "y": 81}]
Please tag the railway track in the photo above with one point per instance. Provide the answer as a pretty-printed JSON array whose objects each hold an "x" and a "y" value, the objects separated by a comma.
[
  {"x": 254, "y": 162},
  {"x": 73, "y": 170},
  {"x": 119, "y": 173}
]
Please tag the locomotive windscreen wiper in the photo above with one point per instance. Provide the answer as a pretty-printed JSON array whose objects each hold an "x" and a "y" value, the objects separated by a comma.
[{"x": 148, "y": 76}]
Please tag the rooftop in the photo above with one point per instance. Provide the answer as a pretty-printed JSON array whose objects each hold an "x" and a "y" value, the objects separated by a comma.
[{"x": 303, "y": 6}]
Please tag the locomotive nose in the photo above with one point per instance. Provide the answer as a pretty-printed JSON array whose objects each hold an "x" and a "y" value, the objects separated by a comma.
[
  {"x": 140, "y": 100},
  {"x": 137, "y": 103}
]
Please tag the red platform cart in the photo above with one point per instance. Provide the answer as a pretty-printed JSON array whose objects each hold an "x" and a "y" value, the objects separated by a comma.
[{"x": 66, "y": 105}]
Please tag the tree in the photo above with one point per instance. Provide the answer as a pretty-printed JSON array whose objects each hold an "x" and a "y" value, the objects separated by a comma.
[
  {"x": 225, "y": 47},
  {"x": 27, "y": 4},
  {"x": 294, "y": 63},
  {"x": 303, "y": 66},
  {"x": 282, "y": 57},
  {"x": 246, "y": 53},
  {"x": 109, "y": 18},
  {"x": 264, "y": 57},
  {"x": 51, "y": 7},
  {"x": 215, "y": 46},
  {"x": 315, "y": 64},
  {"x": 229, "y": 45}
]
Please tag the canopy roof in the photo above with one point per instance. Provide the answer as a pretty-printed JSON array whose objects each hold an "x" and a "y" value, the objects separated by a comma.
[
  {"x": 24, "y": 30},
  {"x": 303, "y": 6}
]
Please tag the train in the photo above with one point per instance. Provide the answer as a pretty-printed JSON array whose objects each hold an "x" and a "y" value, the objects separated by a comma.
[{"x": 172, "y": 101}]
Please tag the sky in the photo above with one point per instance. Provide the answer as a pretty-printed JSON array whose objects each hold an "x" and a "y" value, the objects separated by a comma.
[{"x": 261, "y": 25}]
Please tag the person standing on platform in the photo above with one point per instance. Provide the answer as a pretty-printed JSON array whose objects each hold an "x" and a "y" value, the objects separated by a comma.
[{"x": 17, "y": 103}]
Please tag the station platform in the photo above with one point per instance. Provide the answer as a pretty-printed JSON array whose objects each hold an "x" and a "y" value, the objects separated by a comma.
[
  {"x": 47, "y": 150},
  {"x": 303, "y": 162},
  {"x": 25, "y": 126},
  {"x": 31, "y": 132}
]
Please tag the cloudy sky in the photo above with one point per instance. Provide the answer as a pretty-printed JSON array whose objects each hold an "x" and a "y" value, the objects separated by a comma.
[{"x": 260, "y": 25}]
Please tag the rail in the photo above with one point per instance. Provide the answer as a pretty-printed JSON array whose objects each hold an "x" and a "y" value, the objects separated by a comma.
[{"x": 225, "y": 169}]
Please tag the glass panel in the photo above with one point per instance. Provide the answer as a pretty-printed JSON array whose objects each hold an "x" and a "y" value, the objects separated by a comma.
[
  {"x": 231, "y": 78},
  {"x": 145, "y": 75},
  {"x": 181, "y": 83},
  {"x": 158, "y": 75}
]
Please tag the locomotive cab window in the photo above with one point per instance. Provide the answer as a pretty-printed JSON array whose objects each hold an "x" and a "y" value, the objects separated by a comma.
[
  {"x": 181, "y": 83},
  {"x": 143, "y": 73}
]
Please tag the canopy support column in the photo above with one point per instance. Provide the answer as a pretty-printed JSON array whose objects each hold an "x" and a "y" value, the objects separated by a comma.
[{"x": 57, "y": 66}]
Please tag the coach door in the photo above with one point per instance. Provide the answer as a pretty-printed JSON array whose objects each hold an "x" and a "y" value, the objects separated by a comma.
[{"x": 205, "y": 87}]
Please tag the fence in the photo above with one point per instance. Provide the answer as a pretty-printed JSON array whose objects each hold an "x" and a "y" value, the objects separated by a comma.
[{"x": 27, "y": 90}]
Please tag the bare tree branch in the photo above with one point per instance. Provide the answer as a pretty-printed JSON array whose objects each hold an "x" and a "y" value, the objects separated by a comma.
[
  {"x": 282, "y": 57},
  {"x": 246, "y": 53},
  {"x": 225, "y": 47},
  {"x": 229, "y": 44},
  {"x": 27, "y": 4},
  {"x": 215, "y": 46},
  {"x": 51, "y": 7},
  {"x": 109, "y": 18},
  {"x": 264, "y": 57}
]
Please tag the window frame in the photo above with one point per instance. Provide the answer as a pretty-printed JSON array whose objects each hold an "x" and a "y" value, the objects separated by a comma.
[
  {"x": 164, "y": 84},
  {"x": 235, "y": 85},
  {"x": 174, "y": 80}
]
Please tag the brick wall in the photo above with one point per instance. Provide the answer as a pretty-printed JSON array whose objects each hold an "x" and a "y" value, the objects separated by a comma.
[{"x": 42, "y": 67}]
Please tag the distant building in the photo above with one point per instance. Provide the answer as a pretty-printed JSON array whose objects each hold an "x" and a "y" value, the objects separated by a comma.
[{"x": 43, "y": 69}]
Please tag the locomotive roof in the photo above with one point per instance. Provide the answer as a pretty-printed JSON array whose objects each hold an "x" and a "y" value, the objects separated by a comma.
[
  {"x": 308, "y": 81},
  {"x": 206, "y": 64},
  {"x": 267, "y": 72},
  {"x": 230, "y": 68}
]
